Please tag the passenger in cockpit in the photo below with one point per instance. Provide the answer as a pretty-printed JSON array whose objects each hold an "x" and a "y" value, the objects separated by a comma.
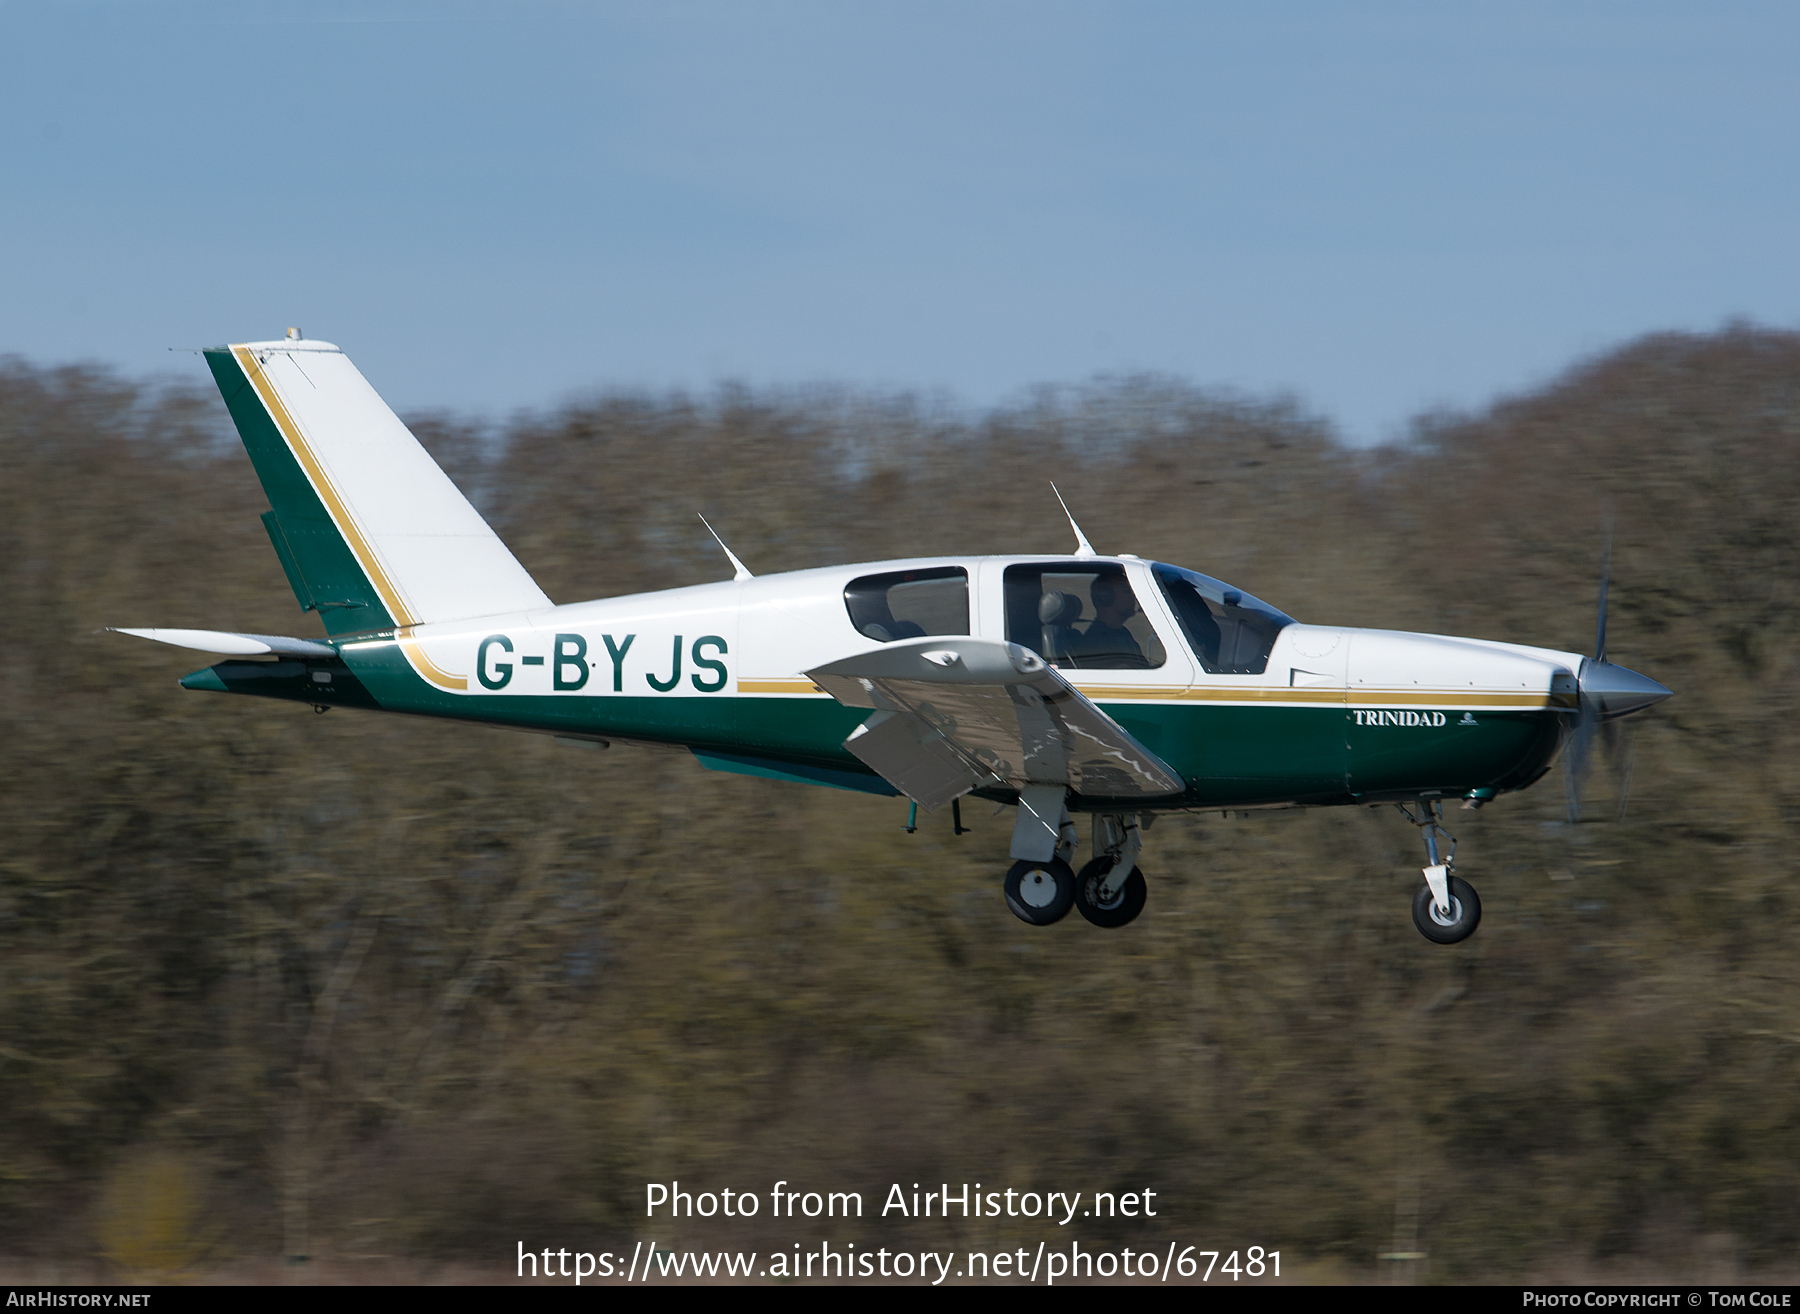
[
  {"x": 878, "y": 622},
  {"x": 1107, "y": 643}
]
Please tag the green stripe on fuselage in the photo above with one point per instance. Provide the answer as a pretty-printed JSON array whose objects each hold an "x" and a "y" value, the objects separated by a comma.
[
  {"x": 705, "y": 721},
  {"x": 1500, "y": 750},
  {"x": 863, "y": 782},
  {"x": 1230, "y": 755},
  {"x": 323, "y": 683}
]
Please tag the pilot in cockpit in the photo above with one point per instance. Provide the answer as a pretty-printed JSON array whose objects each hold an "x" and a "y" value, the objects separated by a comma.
[{"x": 1107, "y": 643}]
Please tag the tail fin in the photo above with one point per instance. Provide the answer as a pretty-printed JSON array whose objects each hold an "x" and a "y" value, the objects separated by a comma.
[{"x": 372, "y": 534}]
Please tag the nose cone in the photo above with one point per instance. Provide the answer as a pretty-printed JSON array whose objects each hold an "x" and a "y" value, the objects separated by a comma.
[{"x": 1615, "y": 691}]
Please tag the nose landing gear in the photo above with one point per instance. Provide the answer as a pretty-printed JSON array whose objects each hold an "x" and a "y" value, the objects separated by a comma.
[
  {"x": 1446, "y": 910},
  {"x": 1441, "y": 927}
]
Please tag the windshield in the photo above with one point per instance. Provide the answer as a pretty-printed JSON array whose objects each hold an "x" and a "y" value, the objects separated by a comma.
[{"x": 1230, "y": 631}]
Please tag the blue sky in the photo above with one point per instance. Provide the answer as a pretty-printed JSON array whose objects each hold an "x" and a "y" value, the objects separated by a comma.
[{"x": 1378, "y": 208}]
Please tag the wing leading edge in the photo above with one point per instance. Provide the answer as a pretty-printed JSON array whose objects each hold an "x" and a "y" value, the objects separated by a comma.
[{"x": 959, "y": 713}]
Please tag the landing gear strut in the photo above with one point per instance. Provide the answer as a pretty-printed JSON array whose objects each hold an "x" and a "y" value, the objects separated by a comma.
[
  {"x": 1041, "y": 889},
  {"x": 1110, "y": 890},
  {"x": 1446, "y": 910}
]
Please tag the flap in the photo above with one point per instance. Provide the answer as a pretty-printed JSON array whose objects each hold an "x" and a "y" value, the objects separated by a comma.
[{"x": 959, "y": 713}]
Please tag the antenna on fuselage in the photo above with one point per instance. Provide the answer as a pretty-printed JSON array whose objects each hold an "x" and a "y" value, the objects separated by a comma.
[
  {"x": 741, "y": 571},
  {"x": 1083, "y": 548}
]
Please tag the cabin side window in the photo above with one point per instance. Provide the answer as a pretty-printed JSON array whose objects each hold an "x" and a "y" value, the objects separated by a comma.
[
  {"x": 910, "y": 604},
  {"x": 1080, "y": 618},
  {"x": 1230, "y": 631}
]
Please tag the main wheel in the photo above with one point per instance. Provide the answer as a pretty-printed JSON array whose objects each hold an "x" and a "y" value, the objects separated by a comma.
[
  {"x": 1465, "y": 913},
  {"x": 1126, "y": 902},
  {"x": 1040, "y": 892}
]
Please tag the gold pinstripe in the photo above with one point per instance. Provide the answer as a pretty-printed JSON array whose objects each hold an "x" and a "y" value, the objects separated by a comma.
[
  {"x": 1167, "y": 693},
  {"x": 360, "y": 546},
  {"x": 430, "y": 670}
]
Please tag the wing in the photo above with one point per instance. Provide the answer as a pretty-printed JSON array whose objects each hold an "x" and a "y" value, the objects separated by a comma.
[{"x": 961, "y": 713}]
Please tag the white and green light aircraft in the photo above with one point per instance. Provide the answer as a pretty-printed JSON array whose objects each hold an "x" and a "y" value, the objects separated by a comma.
[{"x": 1085, "y": 683}]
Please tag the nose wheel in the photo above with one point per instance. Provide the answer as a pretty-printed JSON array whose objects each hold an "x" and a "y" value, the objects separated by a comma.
[
  {"x": 1447, "y": 926},
  {"x": 1445, "y": 909}
]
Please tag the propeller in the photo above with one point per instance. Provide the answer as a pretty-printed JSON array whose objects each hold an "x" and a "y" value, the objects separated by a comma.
[{"x": 1607, "y": 693}]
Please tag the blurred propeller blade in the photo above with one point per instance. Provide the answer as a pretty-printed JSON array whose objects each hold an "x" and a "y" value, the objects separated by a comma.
[
  {"x": 1571, "y": 789},
  {"x": 1607, "y": 692},
  {"x": 1630, "y": 736},
  {"x": 1605, "y": 580},
  {"x": 1575, "y": 758}
]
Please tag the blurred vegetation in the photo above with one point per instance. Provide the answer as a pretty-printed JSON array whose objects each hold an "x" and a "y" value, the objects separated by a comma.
[
  {"x": 382, "y": 988},
  {"x": 150, "y": 1217}
]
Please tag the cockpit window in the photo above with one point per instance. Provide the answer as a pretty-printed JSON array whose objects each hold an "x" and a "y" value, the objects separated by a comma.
[
  {"x": 1230, "y": 631},
  {"x": 910, "y": 604},
  {"x": 1080, "y": 617}
]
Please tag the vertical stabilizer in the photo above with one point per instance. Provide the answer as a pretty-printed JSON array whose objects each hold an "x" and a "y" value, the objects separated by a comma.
[{"x": 370, "y": 532}]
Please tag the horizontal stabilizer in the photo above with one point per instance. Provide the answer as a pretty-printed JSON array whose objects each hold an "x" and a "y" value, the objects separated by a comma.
[
  {"x": 238, "y": 645},
  {"x": 960, "y": 713}
]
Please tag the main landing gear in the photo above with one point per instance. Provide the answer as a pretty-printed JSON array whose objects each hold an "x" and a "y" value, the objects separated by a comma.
[
  {"x": 1109, "y": 891},
  {"x": 1040, "y": 892},
  {"x": 1446, "y": 909}
]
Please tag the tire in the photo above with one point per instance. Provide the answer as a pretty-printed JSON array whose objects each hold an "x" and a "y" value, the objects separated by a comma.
[
  {"x": 1123, "y": 907},
  {"x": 1465, "y": 909},
  {"x": 1040, "y": 892}
]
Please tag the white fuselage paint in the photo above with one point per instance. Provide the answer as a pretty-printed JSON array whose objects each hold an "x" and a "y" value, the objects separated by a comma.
[{"x": 761, "y": 634}]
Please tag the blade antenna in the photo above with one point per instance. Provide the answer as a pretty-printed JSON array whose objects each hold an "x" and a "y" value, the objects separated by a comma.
[
  {"x": 741, "y": 571},
  {"x": 1083, "y": 548}
]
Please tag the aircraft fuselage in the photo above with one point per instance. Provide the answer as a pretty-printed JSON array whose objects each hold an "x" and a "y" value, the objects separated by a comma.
[{"x": 1334, "y": 715}]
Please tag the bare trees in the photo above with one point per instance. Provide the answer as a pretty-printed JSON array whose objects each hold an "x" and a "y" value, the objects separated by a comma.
[{"x": 394, "y": 988}]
